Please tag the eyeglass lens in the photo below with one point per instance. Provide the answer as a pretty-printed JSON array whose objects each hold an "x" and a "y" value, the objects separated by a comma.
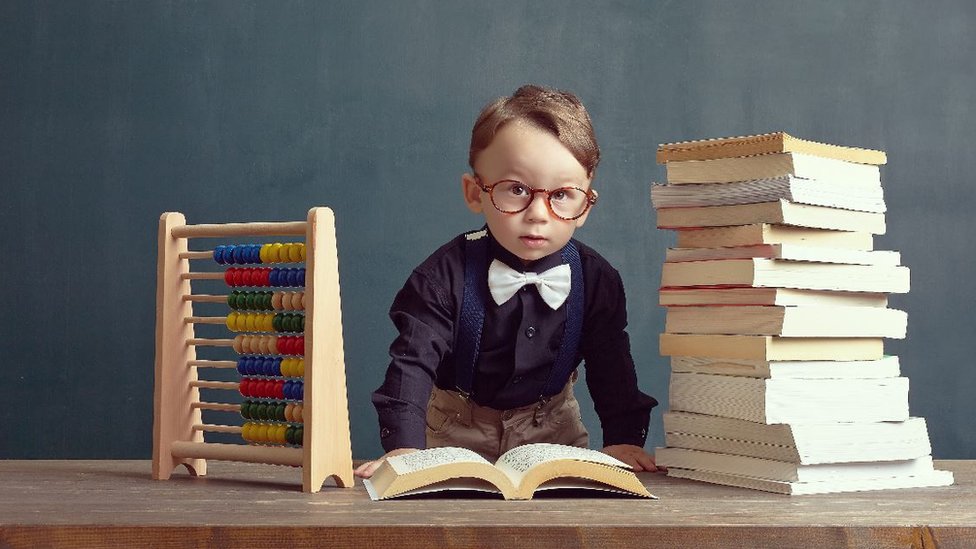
[{"x": 513, "y": 196}]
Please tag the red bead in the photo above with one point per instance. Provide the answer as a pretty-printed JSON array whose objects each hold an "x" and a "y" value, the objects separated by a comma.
[
  {"x": 237, "y": 276},
  {"x": 247, "y": 277},
  {"x": 245, "y": 387},
  {"x": 229, "y": 276},
  {"x": 300, "y": 345},
  {"x": 265, "y": 279},
  {"x": 279, "y": 389},
  {"x": 286, "y": 344}
]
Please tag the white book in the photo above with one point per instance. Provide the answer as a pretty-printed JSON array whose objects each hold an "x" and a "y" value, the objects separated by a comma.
[
  {"x": 781, "y": 273},
  {"x": 799, "y": 443},
  {"x": 927, "y": 480},
  {"x": 784, "y": 471},
  {"x": 681, "y": 297},
  {"x": 789, "y": 369},
  {"x": 746, "y": 168},
  {"x": 790, "y": 400},
  {"x": 833, "y": 194},
  {"x": 792, "y": 252},
  {"x": 812, "y": 321}
]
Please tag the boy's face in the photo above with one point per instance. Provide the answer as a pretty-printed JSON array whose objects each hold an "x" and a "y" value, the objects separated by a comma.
[{"x": 525, "y": 153}]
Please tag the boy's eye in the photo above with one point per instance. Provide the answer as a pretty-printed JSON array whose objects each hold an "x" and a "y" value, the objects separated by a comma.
[
  {"x": 561, "y": 194},
  {"x": 515, "y": 188}
]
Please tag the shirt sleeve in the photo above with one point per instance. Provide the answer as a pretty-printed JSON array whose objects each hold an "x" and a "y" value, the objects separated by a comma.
[
  {"x": 611, "y": 377},
  {"x": 422, "y": 316}
]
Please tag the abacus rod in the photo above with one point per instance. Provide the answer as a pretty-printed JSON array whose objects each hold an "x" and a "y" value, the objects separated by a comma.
[
  {"x": 197, "y": 255},
  {"x": 205, "y": 320},
  {"x": 216, "y": 406},
  {"x": 275, "y": 455},
  {"x": 208, "y": 428},
  {"x": 223, "y": 385},
  {"x": 212, "y": 363},
  {"x": 205, "y": 298},
  {"x": 201, "y": 276},
  {"x": 202, "y": 342},
  {"x": 288, "y": 228}
]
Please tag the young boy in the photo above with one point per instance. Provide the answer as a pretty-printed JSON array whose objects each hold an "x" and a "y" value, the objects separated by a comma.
[{"x": 494, "y": 323}]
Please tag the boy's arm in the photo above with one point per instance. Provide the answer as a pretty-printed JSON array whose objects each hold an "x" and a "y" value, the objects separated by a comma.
[
  {"x": 422, "y": 315},
  {"x": 610, "y": 373}
]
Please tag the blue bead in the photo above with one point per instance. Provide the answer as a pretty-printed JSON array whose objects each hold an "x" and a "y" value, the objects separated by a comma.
[
  {"x": 268, "y": 366},
  {"x": 273, "y": 277},
  {"x": 229, "y": 254},
  {"x": 238, "y": 254},
  {"x": 276, "y": 365},
  {"x": 292, "y": 277},
  {"x": 241, "y": 365},
  {"x": 218, "y": 254},
  {"x": 251, "y": 256}
]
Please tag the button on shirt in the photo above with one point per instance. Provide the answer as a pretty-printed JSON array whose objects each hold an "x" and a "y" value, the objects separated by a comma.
[{"x": 520, "y": 341}]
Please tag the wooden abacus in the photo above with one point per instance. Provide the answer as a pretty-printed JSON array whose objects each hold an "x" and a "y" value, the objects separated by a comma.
[{"x": 178, "y": 429}]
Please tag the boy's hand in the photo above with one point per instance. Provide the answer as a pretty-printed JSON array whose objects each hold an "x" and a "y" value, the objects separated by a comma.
[
  {"x": 635, "y": 456},
  {"x": 367, "y": 469}
]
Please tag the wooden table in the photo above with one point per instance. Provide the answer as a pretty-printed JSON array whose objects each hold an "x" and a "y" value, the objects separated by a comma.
[{"x": 98, "y": 503}]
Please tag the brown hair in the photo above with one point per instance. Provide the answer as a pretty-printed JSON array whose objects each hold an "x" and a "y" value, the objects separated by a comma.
[{"x": 558, "y": 112}]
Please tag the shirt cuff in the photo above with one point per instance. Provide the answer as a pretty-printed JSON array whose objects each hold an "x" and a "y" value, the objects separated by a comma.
[{"x": 403, "y": 430}]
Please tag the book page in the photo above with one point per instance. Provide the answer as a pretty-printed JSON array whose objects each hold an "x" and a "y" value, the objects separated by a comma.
[
  {"x": 517, "y": 461},
  {"x": 433, "y": 457}
]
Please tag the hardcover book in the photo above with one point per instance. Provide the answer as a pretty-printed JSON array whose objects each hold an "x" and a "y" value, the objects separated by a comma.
[
  {"x": 865, "y": 198},
  {"x": 765, "y": 233},
  {"x": 767, "y": 143},
  {"x": 778, "y": 212},
  {"x": 813, "y": 321},
  {"x": 810, "y": 443},
  {"x": 790, "y": 400},
  {"x": 765, "y": 166}
]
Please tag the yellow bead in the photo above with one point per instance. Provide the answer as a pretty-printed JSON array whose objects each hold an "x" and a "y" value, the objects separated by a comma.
[
  {"x": 302, "y": 250},
  {"x": 295, "y": 252},
  {"x": 262, "y": 433},
  {"x": 248, "y": 322},
  {"x": 263, "y": 254},
  {"x": 300, "y": 370},
  {"x": 246, "y": 431},
  {"x": 231, "y": 321},
  {"x": 273, "y": 252},
  {"x": 280, "y": 434}
]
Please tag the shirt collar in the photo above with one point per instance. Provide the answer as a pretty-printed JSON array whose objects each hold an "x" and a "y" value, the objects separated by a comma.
[{"x": 539, "y": 265}]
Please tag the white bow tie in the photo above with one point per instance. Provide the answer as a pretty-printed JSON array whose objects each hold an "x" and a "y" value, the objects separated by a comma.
[{"x": 553, "y": 284}]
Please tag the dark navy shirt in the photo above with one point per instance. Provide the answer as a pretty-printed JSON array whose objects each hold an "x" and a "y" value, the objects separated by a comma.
[{"x": 519, "y": 345}]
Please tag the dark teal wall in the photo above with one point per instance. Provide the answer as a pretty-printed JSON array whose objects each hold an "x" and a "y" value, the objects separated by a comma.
[{"x": 113, "y": 112}]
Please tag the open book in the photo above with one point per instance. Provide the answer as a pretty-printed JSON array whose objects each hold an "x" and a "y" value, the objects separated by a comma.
[{"x": 517, "y": 474}]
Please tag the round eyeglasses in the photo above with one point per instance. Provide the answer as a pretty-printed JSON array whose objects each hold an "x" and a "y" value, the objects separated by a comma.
[{"x": 512, "y": 197}]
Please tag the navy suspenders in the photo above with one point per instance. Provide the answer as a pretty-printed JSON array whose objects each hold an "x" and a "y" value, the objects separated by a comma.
[{"x": 473, "y": 303}]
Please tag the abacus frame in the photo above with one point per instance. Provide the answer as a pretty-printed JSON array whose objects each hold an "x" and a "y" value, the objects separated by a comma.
[{"x": 177, "y": 419}]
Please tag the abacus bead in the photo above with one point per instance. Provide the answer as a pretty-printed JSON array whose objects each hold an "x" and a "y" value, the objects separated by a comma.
[
  {"x": 299, "y": 435},
  {"x": 243, "y": 388},
  {"x": 276, "y": 301},
  {"x": 280, "y": 434},
  {"x": 301, "y": 323},
  {"x": 280, "y": 411},
  {"x": 298, "y": 301},
  {"x": 238, "y": 344},
  {"x": 261, "y": 411},
  {"x": 240, "y": 365},
  {"x": 295, "y": 253},
  {"x": 238, "y": 277},
  {"x": 246, "y": 431},
  {"x": 290, "y": 434},
  {"x": 231, "y": 321},
  {"x": 263, "y": 253},
  {"x": 279, "y": 389},
  {"x": 218, "y": 254},
  {"x": 300, "y": 345},
  {"x": 302, "y": 253},
  {"x": 286, "y": 367},
  {"x": 300, "y": 369},
  {"x": 297, "y": 413},
  {"x": 274, "y": 252},
  {"x": 261, "y": 434},
  {"x": 232, "y": 299},
  {"x": 289, "y": 409},
  {"x": 293, "y": 278},
  {"x": 229, "y": 277},
  {"x": 301, "y": 277}
]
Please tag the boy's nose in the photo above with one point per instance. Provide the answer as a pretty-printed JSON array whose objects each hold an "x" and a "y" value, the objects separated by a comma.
[{"x": 537, "y": 210}]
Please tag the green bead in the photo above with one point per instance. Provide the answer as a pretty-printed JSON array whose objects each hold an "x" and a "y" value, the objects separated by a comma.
[
  {"x": 290, "y": 434},
  {"x": 262, "y": 411},
  {"x": 276, "y": 323},
  {"x": 299, "y": 435},
  {"x": 280, "y": 411},
  {"x": 266, "y": 304}
]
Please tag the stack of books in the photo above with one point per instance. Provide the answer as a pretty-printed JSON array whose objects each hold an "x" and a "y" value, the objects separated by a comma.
[{"x": 777, "y": 308}]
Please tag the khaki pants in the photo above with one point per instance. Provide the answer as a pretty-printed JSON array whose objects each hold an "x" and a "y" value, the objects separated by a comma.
[{"x": 453, "y": 420}]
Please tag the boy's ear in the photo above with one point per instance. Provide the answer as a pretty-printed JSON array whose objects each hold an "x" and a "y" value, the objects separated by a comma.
[{"x": 472, "y": 193}]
